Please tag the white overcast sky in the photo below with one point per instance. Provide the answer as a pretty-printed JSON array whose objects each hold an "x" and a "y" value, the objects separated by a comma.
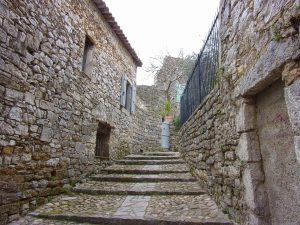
[{"x": 154, "y": 27}]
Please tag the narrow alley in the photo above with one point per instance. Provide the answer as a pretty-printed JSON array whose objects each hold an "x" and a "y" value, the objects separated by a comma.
[{"x": 152, "y": 188}]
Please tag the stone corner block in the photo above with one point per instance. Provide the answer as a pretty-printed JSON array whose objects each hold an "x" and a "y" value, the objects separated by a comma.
[
  {"x": 248, "y": 149},
  {"x": 246, "y": 117},
  {"x": 292, "y": 98},
  {"x": 297, "y": 147},
  {"x": 253, "y": 173},
  {"x": 255, "y": 194}
]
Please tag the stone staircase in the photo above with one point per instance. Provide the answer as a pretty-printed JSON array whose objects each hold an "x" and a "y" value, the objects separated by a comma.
[{"x": 148, "y": 189}]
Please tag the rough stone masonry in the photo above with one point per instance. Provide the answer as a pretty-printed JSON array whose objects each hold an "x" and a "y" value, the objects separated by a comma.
[
  {"x": 242, "y": 141},
  {"x": 50, "y": 107}
]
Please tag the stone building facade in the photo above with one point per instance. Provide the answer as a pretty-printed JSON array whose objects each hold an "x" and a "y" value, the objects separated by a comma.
[
  {"x": 242, "y": 142},
  {"x": 63, "y": 66}
]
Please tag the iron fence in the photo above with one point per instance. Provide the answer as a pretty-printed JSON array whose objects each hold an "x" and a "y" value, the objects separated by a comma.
[{"x": 203, "y": 77}]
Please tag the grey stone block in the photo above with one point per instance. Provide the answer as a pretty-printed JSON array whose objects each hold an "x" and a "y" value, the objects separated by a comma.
[
  {"x": 46, "y": 134},
  {"x": 248, "y": 148},
  {"x": 292, "y": 98},
  {"x": 14, "y": 94},
  {"x": 15, "y": 113},
  {"x": 246, "y": 117}
]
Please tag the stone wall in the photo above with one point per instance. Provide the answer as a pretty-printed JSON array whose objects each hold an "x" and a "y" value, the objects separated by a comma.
[
  {"x": 49, "y": 108},
  {"x": 259, "y": 44},
  {"x": 147, "y": 129},
  {"x": 208, "y": 142}
]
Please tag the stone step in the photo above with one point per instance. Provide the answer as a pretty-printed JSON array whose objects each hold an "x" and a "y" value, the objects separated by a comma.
[
  {"x": 150, "y": 157},
  {"x": 162, "y": 153},
  {"x": 167, "y": 177},
  {"x": 148, "y": 162},
  {"x": 131, "y": 188},
  {"x": 141, "y": 171},
  {"x": 35, "y": 220},
  {"x": 146, "y": 169},
  {"x": 139, "y": 210},
  {"x": 116, "y": 220}
]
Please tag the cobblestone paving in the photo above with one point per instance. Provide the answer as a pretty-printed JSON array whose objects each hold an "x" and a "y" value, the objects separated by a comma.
[
  {"x": 184, "y": 207},
  {"x": 83, "y": 205},
  {"x": 28, "y": 220},
  {"x": 179, "y": 167},
  {"x": 172, "y": 201}
]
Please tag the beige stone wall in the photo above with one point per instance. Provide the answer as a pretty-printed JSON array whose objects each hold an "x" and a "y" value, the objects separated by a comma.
[
  {"x": 259, "y": 44},
  {"x": 49, "y": 108},
  {"x": 147, "y": 127}
]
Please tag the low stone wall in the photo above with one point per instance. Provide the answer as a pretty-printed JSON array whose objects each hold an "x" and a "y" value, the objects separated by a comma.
[{"x": 207, "y": 143}]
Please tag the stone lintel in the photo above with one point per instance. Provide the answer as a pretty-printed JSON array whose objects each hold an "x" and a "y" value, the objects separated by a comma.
[{"x": 268, "y": 67}]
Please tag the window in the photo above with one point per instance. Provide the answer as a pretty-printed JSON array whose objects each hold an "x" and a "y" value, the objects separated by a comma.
[
  {"x": 102, "y": 141},
  {"x": 128, "y": 94},
  {"x": 87, "y": 60},
  {"x": 179, "y": 91}
]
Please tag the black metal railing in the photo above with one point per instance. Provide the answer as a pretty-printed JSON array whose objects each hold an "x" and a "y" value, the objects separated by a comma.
[{"x": 203, "y": 77}]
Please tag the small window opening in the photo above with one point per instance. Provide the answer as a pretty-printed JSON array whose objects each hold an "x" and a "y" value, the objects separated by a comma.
[
  {"x": 87, "y": 56},
  {"x": 102, "y": 141},
  {"x": 128, "y": 96}
]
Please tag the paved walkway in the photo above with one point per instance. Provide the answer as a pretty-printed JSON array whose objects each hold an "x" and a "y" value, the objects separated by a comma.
[{"x": 153, "y": 188}]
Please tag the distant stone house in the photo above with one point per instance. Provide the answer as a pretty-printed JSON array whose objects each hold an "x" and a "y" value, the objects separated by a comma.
[
  {"x": 151, "y": 99},
  {"x": 67, "y": 87}
]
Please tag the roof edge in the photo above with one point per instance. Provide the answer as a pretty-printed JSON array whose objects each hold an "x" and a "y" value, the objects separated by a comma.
[{"x": 117, "y": 30}]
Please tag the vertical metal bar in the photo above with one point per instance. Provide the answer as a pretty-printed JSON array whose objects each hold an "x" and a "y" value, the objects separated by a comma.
[{"x": 202, "y": 79}]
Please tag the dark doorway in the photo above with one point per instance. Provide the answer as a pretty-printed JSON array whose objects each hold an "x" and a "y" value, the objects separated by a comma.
[{"x": 102, "y": 141}]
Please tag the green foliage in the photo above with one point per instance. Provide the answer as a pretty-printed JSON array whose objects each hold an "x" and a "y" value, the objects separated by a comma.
[
  {"x": 67, "y": 191},
  {"x": 73, "y": 183},
  {"x": 122, "y": 152},
  {"x": 52, "y": 178},
  {"x": 50, "y": 198},
  {"x": 40, "y": 201},
  {"x": 222, "y": 147},
  {"x": 219, "y": 73},
  {"x": 176, "y": 123},
  {"x": 166, "y": 110},
  {"x": 276, "y": 33},
  {"x": 225, "y": 211}
]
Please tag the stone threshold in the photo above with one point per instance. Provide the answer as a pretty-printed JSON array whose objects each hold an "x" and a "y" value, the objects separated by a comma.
[{"x": 113, "y": 220}]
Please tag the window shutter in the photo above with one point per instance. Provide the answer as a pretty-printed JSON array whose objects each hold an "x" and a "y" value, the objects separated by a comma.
[
  {"x": 133, "y": 99},
  {"x": 123, "y": 91}
]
